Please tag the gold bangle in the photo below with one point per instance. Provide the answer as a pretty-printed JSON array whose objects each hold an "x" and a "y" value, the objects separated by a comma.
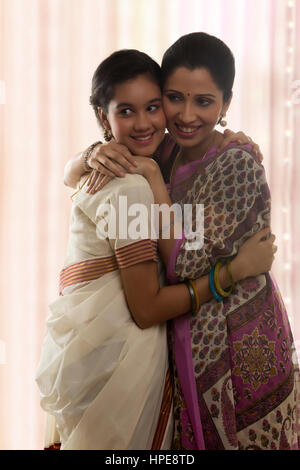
[
  {"x": 196, "y": 295},
  {"x": 228, "y": 266},
  {"x": 222, "y": 292}
]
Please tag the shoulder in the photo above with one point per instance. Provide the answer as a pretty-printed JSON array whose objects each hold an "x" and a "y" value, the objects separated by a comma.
[
  {"x": 119, "y": 193},
  {"x": 235, "y": 153},
  {"x": 115, "y": 186},
  {"x": 240, "y": 166},
  {"x": 134, "y": 187}
]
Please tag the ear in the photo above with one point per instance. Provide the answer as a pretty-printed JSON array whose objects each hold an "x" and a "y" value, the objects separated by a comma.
[
  {"x": 226, "y": 105},
  {"x": 103, "y": 118}
]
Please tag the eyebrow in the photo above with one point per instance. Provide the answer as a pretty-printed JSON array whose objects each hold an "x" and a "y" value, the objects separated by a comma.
[
  {"x": 199, "y": 94},
  {"x": 154, "y": 100}
]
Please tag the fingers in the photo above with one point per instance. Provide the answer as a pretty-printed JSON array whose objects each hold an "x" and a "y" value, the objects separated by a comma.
[
  {"x": 105, "y": 180},
  {"x": 92, "y": 181},
  {"x": 241, "y": 139},
  {"x": 272, "y": 238},
  {"x": 113, "y": 154},
  {"x": 108, "y": 167},
  {"x": 228, "y": 132},
  {"x": 256, "y": 150},
  {"x": 99, "y": 181},
  {"x": 263, "y": 233},
  {"x": 230, "y": 137}
]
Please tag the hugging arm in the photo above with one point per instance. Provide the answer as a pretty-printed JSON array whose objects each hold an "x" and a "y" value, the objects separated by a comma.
[
  {"x": 151, "y": 304},
  {"x": 111, "y": 159}
]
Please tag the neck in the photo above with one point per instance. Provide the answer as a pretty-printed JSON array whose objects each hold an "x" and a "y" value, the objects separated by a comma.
[{"x": 197, "y": 153}]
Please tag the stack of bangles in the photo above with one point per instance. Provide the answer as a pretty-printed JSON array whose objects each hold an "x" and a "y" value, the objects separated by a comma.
[{"x": 214, "y": 284}]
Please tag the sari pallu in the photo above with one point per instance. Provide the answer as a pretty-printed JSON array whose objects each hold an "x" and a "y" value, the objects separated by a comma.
[
  {"x": 100, "y": 376},
  {"x": 236, "y": 382}
]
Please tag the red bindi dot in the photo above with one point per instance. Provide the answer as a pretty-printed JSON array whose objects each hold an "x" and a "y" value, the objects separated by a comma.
[{"x": 189, "y": 94}]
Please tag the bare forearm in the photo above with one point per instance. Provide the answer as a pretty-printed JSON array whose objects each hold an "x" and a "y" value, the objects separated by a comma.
[
  {"x": 173, "y": 301},
  {"x": 169, "y": 226},
  {"x": 74, "y": 169}
]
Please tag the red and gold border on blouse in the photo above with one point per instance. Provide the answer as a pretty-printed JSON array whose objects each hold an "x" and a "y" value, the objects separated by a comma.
[{"x": 94, "y": 268}]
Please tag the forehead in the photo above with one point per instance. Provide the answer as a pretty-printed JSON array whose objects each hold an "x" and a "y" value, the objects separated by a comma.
[
  {"x": 196, "y": 81},
  {"x": 140, "y": 89}
]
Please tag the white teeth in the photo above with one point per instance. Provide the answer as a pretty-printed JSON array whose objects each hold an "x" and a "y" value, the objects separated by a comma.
[
  {"x": 147, "y": 137},
  {"x": 187, "y": 130}
]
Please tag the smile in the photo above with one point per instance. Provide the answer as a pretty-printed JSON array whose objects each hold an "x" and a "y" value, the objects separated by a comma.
[
  {"x": 187, "y": 131},
  {"x": 144, "y": 139}
]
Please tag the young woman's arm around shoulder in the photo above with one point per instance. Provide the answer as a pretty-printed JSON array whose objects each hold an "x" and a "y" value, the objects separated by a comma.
[{"x": 150, "y": 304}]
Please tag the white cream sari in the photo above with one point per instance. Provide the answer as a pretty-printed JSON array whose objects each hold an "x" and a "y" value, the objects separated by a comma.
[{"x": 100, "y": 376}]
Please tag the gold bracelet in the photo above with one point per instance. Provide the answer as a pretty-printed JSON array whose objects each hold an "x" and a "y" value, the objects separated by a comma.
[
  {"x": 222, "y": 292},
  {"x": 87, "y": 153},
  {"x": 228, "y": 266}
]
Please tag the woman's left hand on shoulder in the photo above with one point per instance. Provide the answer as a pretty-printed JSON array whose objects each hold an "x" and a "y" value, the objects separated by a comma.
[
  {"x": 241, "y": 139},
  {"x": 144, "y": 166},
  {"x": 97, "y": 181}
]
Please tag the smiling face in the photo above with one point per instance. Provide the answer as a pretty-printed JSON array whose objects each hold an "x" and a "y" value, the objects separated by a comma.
[
  {"x": 135, "y": 115},
  {"x": 193, "y": 105}
]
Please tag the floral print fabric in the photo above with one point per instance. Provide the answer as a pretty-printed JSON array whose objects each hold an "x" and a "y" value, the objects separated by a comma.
[{"x": 246, "y": 380}]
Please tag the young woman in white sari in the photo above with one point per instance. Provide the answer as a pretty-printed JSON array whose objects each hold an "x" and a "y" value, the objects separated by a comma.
[{"x": 104, "y": 370}]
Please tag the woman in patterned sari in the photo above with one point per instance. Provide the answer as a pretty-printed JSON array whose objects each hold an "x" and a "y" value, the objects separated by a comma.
[
  {"x": 234, "y": 357},
  {"x": 235, "y": 380}
]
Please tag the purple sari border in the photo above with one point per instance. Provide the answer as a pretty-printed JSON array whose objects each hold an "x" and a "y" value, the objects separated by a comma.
[
  {"x": 212, "y": 153},
  {"x": 184, "y": 362},
  {"x": 171, "y": 275},
  {"x": 183, "y": 354}
]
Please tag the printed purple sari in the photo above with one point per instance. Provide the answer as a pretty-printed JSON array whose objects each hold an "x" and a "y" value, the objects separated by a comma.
[{"x": 235, "y": 378}]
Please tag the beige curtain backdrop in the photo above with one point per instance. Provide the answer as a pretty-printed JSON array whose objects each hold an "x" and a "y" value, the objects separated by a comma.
[{"x": 48, "y": 52}]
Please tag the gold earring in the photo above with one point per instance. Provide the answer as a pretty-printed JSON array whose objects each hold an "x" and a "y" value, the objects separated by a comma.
[
  {"x": 107, "y": 134},
  {"x": 222, "y": 121}
]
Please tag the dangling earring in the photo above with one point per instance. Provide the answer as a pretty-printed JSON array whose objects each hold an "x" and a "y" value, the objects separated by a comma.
[
  {"x": 107, "y": 134},
  {"x": 222, "y": 121}
]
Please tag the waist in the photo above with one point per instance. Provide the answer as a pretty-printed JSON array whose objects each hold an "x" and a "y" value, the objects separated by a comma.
[{"x": 86, "y": 270}]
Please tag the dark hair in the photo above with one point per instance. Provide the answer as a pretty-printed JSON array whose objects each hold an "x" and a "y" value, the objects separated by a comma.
[
  {"x": 197, "y": 50},
  {"x": 119, "y": 67}
]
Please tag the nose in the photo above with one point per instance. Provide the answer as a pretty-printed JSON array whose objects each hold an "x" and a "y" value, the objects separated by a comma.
[
  {"x": 142, "y": 122},
  {"x": 187, "y": 113}
]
